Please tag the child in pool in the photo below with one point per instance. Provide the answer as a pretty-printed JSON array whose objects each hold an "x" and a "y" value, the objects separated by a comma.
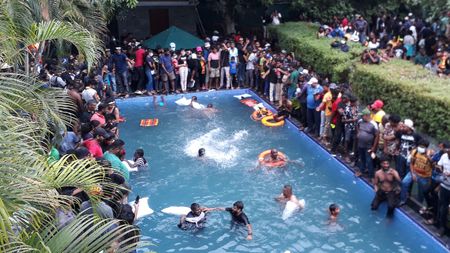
[{"x": 139, "y": 160}]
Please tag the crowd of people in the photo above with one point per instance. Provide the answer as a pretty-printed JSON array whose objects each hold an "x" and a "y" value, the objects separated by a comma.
[
  {"x": 385, "y": 148},
  {"x": 386, "y": 37}
]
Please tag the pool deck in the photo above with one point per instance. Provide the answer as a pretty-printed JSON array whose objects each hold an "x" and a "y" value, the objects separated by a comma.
[{"x": 409, "y": 211}]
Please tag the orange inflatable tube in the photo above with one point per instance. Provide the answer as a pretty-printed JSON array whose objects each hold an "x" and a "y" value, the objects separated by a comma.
[
  {"x": 268, "y": 121},
  {"x": 272, "y": 164}
]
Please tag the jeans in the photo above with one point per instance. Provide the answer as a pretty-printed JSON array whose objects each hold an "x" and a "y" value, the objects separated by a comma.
[
  {"x": 322, "y": 123},
  {"x": 241, "y": 74},
  {"x": 313, "y": 121},
  {"x": 362, "y": 37},
  {"x": 249, "y": 77},
  {"x": 401, "y": 165},
  {"x": 444, "y": 201},
  {"x": 291, "y": 92},
  {"x": 112, "y": 81},
  {"x": 423, "y": 185},
  {"x": 150, "y": 86},
  {"x": 225, "y": 74},
  {"x": 141, "y": 78},
  {"x": 122, "y": 81},
  {"x": 365, "y": 161},
  {"x": 266, "y": 87},
  {"x": 183, "y": 78},
  {"x": 337, "y": 136}
]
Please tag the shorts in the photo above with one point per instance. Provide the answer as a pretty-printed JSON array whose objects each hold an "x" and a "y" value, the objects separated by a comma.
[
  {"x": 168, "y": 76},
  {"x": 214, "y": 72}
]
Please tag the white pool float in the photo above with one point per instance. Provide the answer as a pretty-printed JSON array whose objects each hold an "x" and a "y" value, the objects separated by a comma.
[
  {"x": 245, "y": 95},
  {"x": 198, "y": 106},
  {"x": 258, "y": 107},
  {"x": 144, "y": 209},
  {"x": 176, "y": 210},
  {"x": 183, "y": 101},
  {"x": 128, "y": 166},
  {"x": 292, "y": 207}
]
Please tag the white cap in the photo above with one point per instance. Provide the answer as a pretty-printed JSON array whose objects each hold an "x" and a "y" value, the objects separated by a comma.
[
  {"x": 172, "y": 45},
  {"x": 313, "y": 80},
  {"x": 410, "y": 14},
  {"x": 215, "y": 38},
  {"x": 194, "y": 56},
  {"x": 267, "y": 45},
  {"x": 409, "y": 123},
  {"x": 305, "y": 72},
  {"x": 207, "y": 45}
]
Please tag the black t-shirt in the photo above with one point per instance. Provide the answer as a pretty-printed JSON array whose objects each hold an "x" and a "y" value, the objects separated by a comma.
[
  {"x": 86, "y": 116},
  {"x": 224, "y": 58},
  {"x": 273, "y": 77},
  {"x": 182, "y": 60},
  {"x": 241, "y": 218}
]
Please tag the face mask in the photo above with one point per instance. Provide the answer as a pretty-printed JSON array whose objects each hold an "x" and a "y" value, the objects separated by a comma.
[{"x": 421, "y": 150}]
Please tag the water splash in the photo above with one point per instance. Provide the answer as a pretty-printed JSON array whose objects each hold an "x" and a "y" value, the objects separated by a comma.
[{"x": 220, "y": 147}]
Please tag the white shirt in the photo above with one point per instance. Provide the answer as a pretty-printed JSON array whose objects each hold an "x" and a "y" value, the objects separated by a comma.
[
  {"x": 88, "y": 94},
  {"x": 372, "y": 45},
  {"x": 445, "y": 163},
  {"x": 233, "y": 52}
]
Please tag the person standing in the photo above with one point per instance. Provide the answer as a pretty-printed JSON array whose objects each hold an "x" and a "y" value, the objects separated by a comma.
[
  {"x": 444, "y": 192},
  {"x": 361, "y": 27},
  {"x": 139, "y": 67},
  {"x": 214, "y": 68},
  {"x": 119, "y": 62},
  {"x": 367, "y": 141},
  {"x": 313, "y": 92},
  {"x": 149, "y": 72},
  {"x": 225, "y": 79},
  {"x": 384, "y": 185},
  {"x": 167, "y": 71},
  {"x": 239, "y": 217},
  {"x": 183, "y": 69}
]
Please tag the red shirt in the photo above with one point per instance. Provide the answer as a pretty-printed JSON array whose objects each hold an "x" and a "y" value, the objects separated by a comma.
[
  {"x": 100, "y": 118},
  {"x": 139, "y": 61},
  {"x": 344, "y": 22},
  {"x": 94, "y": 148},
  {"x": 334, "y": 108}
]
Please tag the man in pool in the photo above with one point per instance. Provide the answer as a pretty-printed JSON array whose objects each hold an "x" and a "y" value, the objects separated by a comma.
[
  {"x": 274, "y": 157},
  {"x": 201, "y": 152},
  {"x": 195, "y": 219},
  {"x": 239, "y": 217},
  {"x": 287, "y": 195},
  {"x": 385, "y": 184}
]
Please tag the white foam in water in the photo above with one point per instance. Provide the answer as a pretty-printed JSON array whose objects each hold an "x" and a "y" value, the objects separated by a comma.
[{"x": 219, "y": 146}]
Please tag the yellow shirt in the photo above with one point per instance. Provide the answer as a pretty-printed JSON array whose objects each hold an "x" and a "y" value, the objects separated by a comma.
[
  {"x": 327, "y": 101},
  {"x": 377, "y": 117}
]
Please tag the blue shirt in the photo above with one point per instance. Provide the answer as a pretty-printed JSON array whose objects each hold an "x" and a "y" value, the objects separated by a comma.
[
  {"x": 233, "y": 68},
  {"x": 120, "y": 62},
  {"x": 311, "y": 103},
  {"x": 167, "y": 62}
]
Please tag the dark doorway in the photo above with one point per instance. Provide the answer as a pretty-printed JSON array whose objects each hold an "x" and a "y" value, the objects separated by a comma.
[{"x": 159, "y": 20}]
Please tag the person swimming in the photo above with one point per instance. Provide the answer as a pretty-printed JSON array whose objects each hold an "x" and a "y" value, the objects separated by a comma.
[
  {"x": 201, "y": 152},
  {"x": 334, "y": 211},
  {"x": 287, "y": 195},
  {"x": 195, "y": 219}
]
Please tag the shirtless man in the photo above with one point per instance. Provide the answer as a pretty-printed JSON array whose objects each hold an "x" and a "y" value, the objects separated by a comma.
[
  {"x": 284, "y": 110},
  {"x": 385, "y": 182},
  {"x": 274, "y": 157},
  {"x": 287, "y": 195}
]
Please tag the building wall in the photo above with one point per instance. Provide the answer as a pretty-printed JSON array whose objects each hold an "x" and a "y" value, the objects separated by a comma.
[{"x": 137, "y": 21}]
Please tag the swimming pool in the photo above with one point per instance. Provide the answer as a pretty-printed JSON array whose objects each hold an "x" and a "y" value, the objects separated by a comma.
[{"x": 232, "y": 142}]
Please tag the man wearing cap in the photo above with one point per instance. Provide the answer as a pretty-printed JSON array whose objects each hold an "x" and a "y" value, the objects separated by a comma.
[
  {"x": 377, "y": 112},
  {"x": 408, "y": 141},
  {"x": 313, "y": 100},
  {"x": 367, "y": 141},
  {"x": 119, "y": 61},
  {"x": 93, "y": 144}
]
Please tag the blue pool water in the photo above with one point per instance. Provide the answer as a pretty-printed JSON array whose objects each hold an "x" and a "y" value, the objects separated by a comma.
[{"x": 233, "y": 141}]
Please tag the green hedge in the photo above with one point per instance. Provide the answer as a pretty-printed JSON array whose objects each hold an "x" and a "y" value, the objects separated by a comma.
[
  {"x": 406, "y": 89},
  {"x": 301, "y": 39}
]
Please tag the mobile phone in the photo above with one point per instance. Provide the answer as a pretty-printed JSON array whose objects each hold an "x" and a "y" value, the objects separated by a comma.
[{"x": 137, "y": 199}]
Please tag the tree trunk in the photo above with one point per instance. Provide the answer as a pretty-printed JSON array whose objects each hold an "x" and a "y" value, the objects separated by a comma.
[{"x": 229, "y": 24}]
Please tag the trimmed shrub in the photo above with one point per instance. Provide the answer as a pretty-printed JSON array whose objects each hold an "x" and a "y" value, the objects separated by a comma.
[
  {"x": 406, "y": 89},
  {"x": 409, "y": 91},
  {"x": 301, "y": 39}
]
